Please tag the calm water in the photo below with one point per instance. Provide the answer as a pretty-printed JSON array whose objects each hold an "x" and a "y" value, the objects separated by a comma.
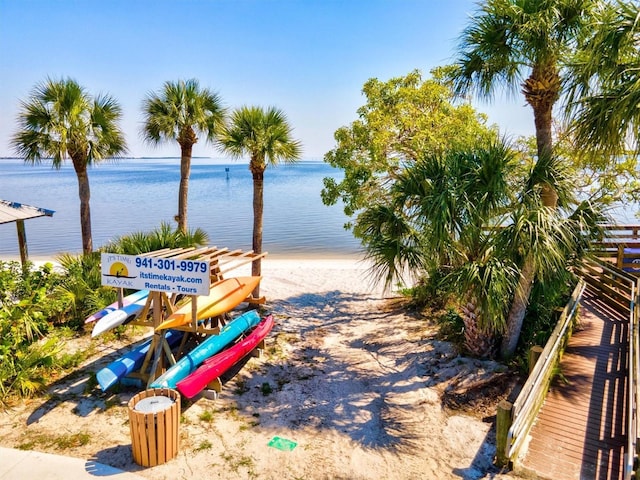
[{"x": 136, "y": 195}]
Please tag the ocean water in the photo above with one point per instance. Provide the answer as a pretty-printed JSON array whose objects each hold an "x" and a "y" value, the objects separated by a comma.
[{"x": 137, "y": 194}]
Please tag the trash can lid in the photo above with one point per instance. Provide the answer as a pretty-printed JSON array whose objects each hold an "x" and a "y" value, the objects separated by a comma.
[{"x": 153, "y": 404}]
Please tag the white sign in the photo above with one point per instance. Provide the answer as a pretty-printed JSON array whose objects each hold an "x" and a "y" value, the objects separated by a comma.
[{"x": 170, "y": 275}]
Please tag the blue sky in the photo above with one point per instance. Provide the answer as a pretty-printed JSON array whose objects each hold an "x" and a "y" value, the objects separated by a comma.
[{"x": 309, "y": 58}]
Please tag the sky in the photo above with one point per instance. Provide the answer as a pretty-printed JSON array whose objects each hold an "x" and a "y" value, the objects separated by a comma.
[{"x": 310, "y": 58}]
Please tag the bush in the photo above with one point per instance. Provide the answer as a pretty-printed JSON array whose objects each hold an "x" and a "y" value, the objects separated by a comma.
[
  {"x": 37, "y": 303},
  {"x": 27, "y": 308}
]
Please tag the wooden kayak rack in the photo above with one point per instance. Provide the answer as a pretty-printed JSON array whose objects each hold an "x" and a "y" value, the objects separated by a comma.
[{"x": 159, "y": 305}]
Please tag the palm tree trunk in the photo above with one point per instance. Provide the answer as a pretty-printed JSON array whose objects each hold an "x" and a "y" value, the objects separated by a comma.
[
  {"x": 258, "y": 210},
  {"x": 542, "y": 105},
  {"x": 183, "y": 192},
  {"x": 518, "y": 309},
  {"x": 478, "y": 343},
  {"x": 85, "y": 212},
  {"x": 542, "y": 114}
]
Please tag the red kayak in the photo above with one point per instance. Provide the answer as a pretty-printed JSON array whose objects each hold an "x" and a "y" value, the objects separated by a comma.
[{"x": 215, "y": 366}]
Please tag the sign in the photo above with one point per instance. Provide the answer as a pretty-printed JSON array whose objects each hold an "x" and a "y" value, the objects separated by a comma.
[{"x": 188, "y": 277}]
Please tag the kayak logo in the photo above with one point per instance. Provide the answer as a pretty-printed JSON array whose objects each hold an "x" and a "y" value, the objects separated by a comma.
[{"x": 118, "y": 270}]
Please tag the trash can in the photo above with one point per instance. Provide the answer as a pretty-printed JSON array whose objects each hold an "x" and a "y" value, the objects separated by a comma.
[{"x": 154, "y": 421}]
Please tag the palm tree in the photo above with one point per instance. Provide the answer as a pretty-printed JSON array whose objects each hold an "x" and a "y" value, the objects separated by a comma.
[
  {"x": 266, "y": 137},
  {"x": 523, "y": 43},
  {"x": 437, "y": 219},
  {"x": 181, "y": 111},
  {"x": 440, "y": 216},
  {"x": 606, "y": 81},
  {"x": 59, "y": 120}
]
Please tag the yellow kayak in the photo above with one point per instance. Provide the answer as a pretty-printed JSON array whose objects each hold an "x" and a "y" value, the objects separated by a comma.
[{"x": 223, "y": 296}]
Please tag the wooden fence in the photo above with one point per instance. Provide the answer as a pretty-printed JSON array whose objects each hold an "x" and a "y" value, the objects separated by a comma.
[
  {"x": 621, "y": 247},
  {"x": 514, "y": 421},
  {"x": 618, "y": 289}
]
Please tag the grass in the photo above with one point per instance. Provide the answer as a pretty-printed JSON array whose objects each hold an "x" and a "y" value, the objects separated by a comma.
[
  {"x": 73, "y": 440},
  {"x": 236, "y": 463},
  {"x": 241, "y": 387},
  {"x": 204, "y": 445},
  {"x": 206, "y": 416},
  {"x": 266, "y": 388},
  {"x": 60, "y": 442}
]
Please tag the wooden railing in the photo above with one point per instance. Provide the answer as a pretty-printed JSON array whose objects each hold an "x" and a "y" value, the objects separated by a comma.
[
  {"x": 633, "y": 426},
  {"x": 621, "y": 247},
  {"x": 618, "y": 289},
  {"x": 614, "y": 272},
  {"x": 522, "y": 414}
]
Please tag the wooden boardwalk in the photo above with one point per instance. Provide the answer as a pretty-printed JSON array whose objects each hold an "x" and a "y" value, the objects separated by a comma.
[{"x": 580, "y": 432}]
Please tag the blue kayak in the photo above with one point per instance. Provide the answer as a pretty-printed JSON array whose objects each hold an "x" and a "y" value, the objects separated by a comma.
[
  {"x": 116, "y": 370},
  {"x": 206, "y": 349}
]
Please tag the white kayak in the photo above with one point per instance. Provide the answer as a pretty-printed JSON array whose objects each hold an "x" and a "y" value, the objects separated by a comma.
[{"x": 118, "y": 317}]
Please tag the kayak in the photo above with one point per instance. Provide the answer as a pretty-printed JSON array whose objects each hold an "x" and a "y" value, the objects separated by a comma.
[
  {"x": 118, "y": 317},
  {"x": 134, "y": 297},
  {"x": 223, "y": 296},
  {"x": 116, "y": 370},
  {"x": 206, "y": 349},
  {"x": 217, "y": 365}
]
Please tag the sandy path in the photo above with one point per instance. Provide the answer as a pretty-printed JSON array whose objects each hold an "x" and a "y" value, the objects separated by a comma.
[{"x": 345, "y": 375}]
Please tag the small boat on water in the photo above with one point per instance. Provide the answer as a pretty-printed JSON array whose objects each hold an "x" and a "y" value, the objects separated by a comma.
[
  {"x": 217, "y": 365},
  {"x": 206, "y": 349},
  {"x": 224, "y": 295}
]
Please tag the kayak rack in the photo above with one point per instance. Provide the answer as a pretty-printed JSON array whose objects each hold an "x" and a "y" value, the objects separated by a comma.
[{"x": 160, "y": 306}]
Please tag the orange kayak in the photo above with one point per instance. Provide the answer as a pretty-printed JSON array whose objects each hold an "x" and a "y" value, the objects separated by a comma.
[{"x": 223, "y": 296}]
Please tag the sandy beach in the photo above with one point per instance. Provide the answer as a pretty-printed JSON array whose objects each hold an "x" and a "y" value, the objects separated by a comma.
[{"x": 351, "y": 381}]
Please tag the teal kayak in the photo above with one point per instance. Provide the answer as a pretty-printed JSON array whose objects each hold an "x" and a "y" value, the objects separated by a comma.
[{"x": 206, "y": 349}]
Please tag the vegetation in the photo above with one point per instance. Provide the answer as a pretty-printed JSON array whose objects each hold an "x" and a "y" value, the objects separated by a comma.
[
  {"x": 605, "y": 88},
  {"x": 164, "y": 236},
  {"x": 403, "y": 119},
  {"x": 505, "y": 42},
  {"x": 265, "y": 136},
  {"x": 179, "y": 112},
  {"x": 27, "y": 314},
  {"x": 547, "y": 49},
  {"x": 37, "y": 305},
  {"x": 439, "y": 220},
  {"x": 59, "y": 120}
]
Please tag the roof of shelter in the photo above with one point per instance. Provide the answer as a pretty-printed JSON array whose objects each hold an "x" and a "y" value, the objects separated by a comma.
[{"x": 14, "y": 211}]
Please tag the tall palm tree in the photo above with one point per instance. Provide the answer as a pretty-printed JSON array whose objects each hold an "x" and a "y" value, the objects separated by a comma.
[
  {"x": 523, "y": 44},
  {"x": 266, "y": 138},
  {"x": 180, "y": 112},
  {"x": 606, "y": 83},
  {"x": 61, "y": 120}
]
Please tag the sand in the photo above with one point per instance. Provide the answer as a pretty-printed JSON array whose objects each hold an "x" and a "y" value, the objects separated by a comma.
[{"x": 354, "y": 381}]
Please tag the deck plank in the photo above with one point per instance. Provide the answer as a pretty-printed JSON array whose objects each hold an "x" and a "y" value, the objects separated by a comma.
[{"x": 580, "y": 433}]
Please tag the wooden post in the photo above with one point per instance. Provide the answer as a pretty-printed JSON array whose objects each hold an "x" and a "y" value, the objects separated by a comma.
[
  {"x": 503, "y": 423},
  {"x": 534, "y": 355},
  {"x": 620, "y": 259},
  {"x": 22, "y": 243}
]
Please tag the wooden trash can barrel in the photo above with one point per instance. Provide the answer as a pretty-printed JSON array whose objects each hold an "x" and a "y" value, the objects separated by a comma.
[{"x": 154, "y": 421}]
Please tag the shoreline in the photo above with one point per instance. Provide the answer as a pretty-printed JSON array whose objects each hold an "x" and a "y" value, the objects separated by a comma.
[{"x": 41, "y": 259}]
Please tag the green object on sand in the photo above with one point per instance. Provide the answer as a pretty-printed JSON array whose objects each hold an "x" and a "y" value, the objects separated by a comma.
[{"x": 282, "y": 444}]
